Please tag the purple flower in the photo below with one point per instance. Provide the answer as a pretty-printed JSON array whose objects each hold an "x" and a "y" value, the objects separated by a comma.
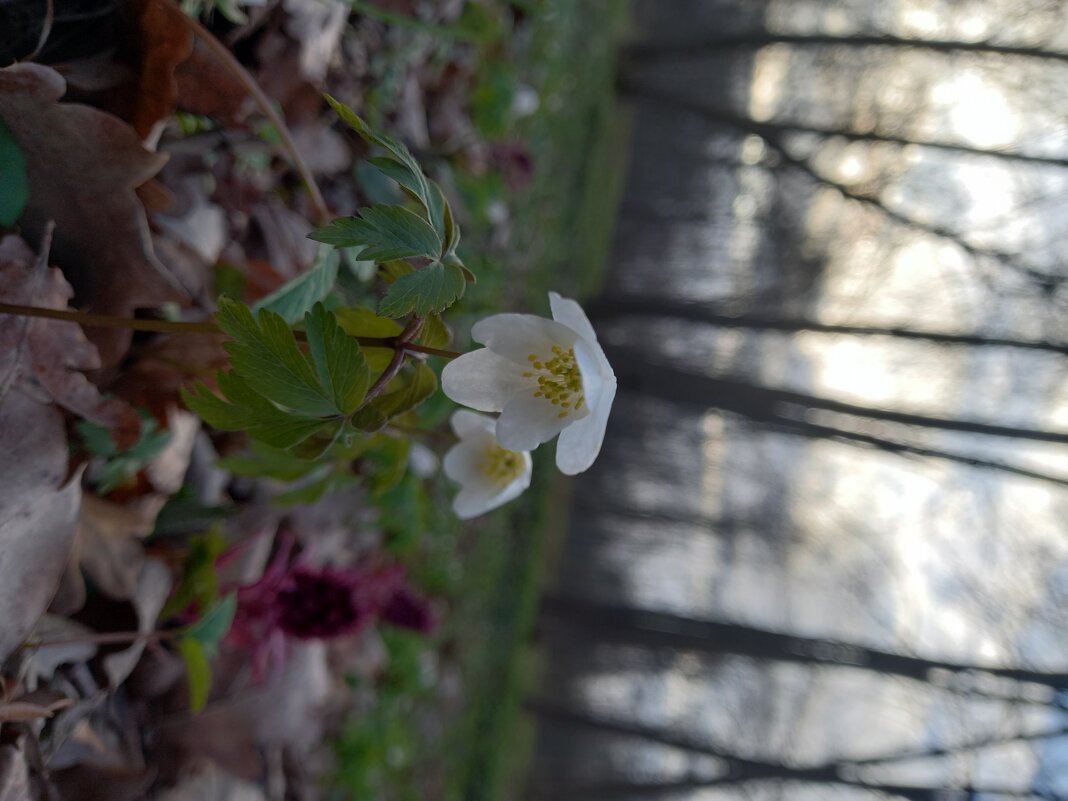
[
  {"x": 409, "y": 610},
  {"x": 293, "y": 600}
]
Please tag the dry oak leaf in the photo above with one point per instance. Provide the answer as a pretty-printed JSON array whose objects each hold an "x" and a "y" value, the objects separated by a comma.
[
  {"x": 83, "y": 166},
  {"x": 37, "y": 512},
  {"x": 153, "y": 586},
  {"x": 51, "y": 352},
  {"x": 154, "y": 39}
]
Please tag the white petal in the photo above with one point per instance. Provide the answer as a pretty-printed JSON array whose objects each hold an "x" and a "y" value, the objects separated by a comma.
[
  {"x": 594, "y": 352},
  {"x": 483, "y": 380},
  {"x": 516, "y": 336},
  {"x": 463, "y": 462},
  {"x": 480, "y": 498},
  {"x": 475, "y": 500},
  {"x": 593, "y": 379},
  {"x": 580, "y": 443},
  {"x": 465, "y": 423},
  {"x": 526, "y": 422},
  {"x": 569, "y": 313},
  {"x": 519, "y": 484},
  {"x": 422, "y": 461}
]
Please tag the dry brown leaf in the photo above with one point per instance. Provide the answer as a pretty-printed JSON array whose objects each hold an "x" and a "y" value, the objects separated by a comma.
[
  {"x": 206, "y": 87},
  {"x": 100, "y": 783},
  {"x": 235, "y": 730},
  {"x": 153, "y": 587},
  {"x": 109, "y": 541},
  {"x": 53, "y": 352},
  {"x": 37, "y": 512},
  {"x": 20, "y": 712},
  {"x": 133, "y": 74},
  {"x": 73, "y": 646},
  {"x": 155, "y": 40},
  {"x": 35, "y": 705},
  {"x": 14, "y": 774},
  {"x": 166, "y": 472},
  {"x": 153, "y": 380},
  {"x": 83, "y": 166}
]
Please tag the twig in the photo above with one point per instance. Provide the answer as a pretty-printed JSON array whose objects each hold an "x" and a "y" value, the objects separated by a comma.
[
  {"x": 46, "y": 30},
  {"x": 223, "y": 53},
  {"x": 106, "y": 638},
  {"x": 109, "y": 321}
]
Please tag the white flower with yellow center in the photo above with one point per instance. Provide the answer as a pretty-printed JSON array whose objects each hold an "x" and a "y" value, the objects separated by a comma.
[
  {"x": 489, "y": 474},
  {"x": 545, "y": 377}
]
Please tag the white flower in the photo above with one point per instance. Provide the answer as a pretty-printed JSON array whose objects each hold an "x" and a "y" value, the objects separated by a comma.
[
  {"x": 489, "y": 474},
  {"x": 545, "y": 377}
]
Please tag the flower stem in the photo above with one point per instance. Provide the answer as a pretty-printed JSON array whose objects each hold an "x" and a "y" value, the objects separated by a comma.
[{"x": 445, "y": 354}]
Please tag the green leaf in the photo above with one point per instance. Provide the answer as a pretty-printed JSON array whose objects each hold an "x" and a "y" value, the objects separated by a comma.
[
  {"x": 14, "y": 187},
  {"x": 390, "y": 271},
  {"x": 414, "y": 181},
  {"x": 200, "y": 579},
  {"x": 197, "y": 670},
  {"x": 402, "y": 167},
  {"x": 339, "y": 233},
  {"x": 339, "y": 362},
  {"x": 215, "y": 623},
  {"x": 315, "y": 446},
  {"x": 96, "y": 438},
  {"x": 431, "y": 289},
  {"x": 268, "y": 461},
  {"x": 314, "y": 490},
  {"x": 183, "y": 515},
  {"x": 385, "y": 232},
  {"x": 120, "y": 467},
  {"x": 435, "y": 333},
  {"x": 264, "y": 352},
  {"x": 294, "y": 298},
  {"x": 441, "y": 218},
  {"x": 390, "y": 458},
  {"x": 361, "y": 322},
  {"x": 400, "y": 173},
  {"x": 249, "y": 412},
  {"x": 412, "y": 391}
]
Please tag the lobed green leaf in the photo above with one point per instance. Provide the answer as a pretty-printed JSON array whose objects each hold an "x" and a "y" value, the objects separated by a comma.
[
  {"x": 431, "y": 289},
  {"x": 268, "y": 461},
  {"x": 250, "y": 412},
  {"x": 360, "y": 322},
  {"x": 415, "y": 181},
  {"x": 413, "y": 390},
  {"x": 264, "y": 352},
  {"x": 294, "y": 298},
  {"x": 339, "y": 363},
  {"x": 394, "y": 232}
]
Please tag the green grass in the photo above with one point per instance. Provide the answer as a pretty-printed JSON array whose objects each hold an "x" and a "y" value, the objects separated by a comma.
[{"x": 492, "y": 570}]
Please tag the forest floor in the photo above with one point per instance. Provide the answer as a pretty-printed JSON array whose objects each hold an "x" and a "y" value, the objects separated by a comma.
[{"x": 158, "y": 524}]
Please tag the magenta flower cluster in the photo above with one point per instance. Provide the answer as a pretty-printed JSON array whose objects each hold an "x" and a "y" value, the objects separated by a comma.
[{"x": 294, "y": 600}]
